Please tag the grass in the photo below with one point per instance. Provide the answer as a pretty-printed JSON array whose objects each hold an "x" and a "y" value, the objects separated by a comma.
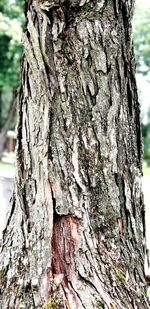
[
  {"x": 6, "y": 166},
  {"x": 146, "y": 170},
  {"x": 10, "y": 166}
]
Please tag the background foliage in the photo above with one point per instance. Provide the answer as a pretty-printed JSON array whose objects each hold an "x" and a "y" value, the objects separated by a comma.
[
  {"x": 11, "y": 22},
  {"x": 141, "y": 32},
  {"x": 141, "y": 28}
]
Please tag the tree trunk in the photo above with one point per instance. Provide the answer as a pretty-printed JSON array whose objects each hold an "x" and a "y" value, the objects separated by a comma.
[{"x": 75, "y": 230}]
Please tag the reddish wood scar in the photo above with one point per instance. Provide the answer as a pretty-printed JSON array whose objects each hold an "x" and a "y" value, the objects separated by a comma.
[{"x": 120, "y": 225}]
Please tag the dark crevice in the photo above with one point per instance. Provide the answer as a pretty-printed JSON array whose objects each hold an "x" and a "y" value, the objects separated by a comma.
[
  {"x": 143, "y": 217},
  {"x": 79, "y": 190},
  {"x": 53, "y": 198},
  {"x": 98, "y": 142},
  {"x": 51, "y": 117},
  {"x": 33, "y": 301},
  {"x": 65, "y": 124},
  {"x": 116, "y": 8},
  {"x": 89, "y": 59},
  {"x": 27, "y": 82},
  {"x": 27, "y": 5},
  {"x": 92, "y": 98},
  {"x": 88, "y": 177},
  {"x": 125, "y": 19},
  {"x": 10, "y": 216},
  {"x": 108, "y": 64},
  {"x": 24, "y": 248},
  {"x": 110, "y": 101},
  {"x": 19, "y": 134},
  {"x": 68, "y": 12},
  {"x": 4, "y": 271},
  {"x": 124, "y": 211},
  {"x": 129, "y": 96},
  {"x": 28, "y": 35},
  {"x": 133, "y": 239},
  {"x": 139, "y": 138},
  {"x": 29, "y": 226},
  {"x": 25, "y": 204},
  {"x": 27, "y": 130},
  {"x": 76, "y": 292},
  {"x": 49, "y": 13},
  {"x": 119, "y": 77},
  {"x": 133, "y": 206},
  {"x": 125, "y": 61}
]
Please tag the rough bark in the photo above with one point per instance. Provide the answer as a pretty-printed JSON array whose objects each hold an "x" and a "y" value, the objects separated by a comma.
[{"x": 75, "y": 230}]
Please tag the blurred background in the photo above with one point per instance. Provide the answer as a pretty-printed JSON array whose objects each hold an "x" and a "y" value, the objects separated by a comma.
[
  {"x": 141, "y": 37},
  {"x": 11, "y": 50}
]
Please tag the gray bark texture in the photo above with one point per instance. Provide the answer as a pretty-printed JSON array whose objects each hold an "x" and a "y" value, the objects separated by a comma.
[{"x": 75, "y": 230}]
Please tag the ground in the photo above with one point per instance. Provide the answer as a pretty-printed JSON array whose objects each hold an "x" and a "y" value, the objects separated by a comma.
[{"x": 7, "y": 172}]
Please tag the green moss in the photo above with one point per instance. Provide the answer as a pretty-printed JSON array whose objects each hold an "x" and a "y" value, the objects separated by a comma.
[
  {"x": 88, "y": 12},
  {"x": 120, "y": 275},
  {"x": 51, "y": 304},
  {"x": 3, "y": 276},
  {"x": 105, "y": 222},
  {"x": 22, "y": 188},
  {"x": 2, "y": 273},
  {"x": 20, "y": 292},
  {"x": 99, "y": 304},
  {"x": 54, "y": 303}
]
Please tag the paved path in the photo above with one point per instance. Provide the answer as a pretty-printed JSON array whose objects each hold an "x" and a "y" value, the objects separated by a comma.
[
  {"x": 6, "y": 185},
  {"x": 146, "y": 191},
  {"x": 9, "y": 173}
]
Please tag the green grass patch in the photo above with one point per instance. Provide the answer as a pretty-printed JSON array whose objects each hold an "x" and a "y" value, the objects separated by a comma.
[
  {"x": 7, "y": 166},
  {"x": 10, "y": 166},
  {"x": 146, "y": 170}
]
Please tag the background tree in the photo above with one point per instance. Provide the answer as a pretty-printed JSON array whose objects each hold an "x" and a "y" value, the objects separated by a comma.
[
  {"x": 142, "y": 37},
  {"x": 75, "y": 229},
  {"x": 146, "y": 136},
  {"x": 142, "y": 52},
  {"x": 10, "y": 53}
]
